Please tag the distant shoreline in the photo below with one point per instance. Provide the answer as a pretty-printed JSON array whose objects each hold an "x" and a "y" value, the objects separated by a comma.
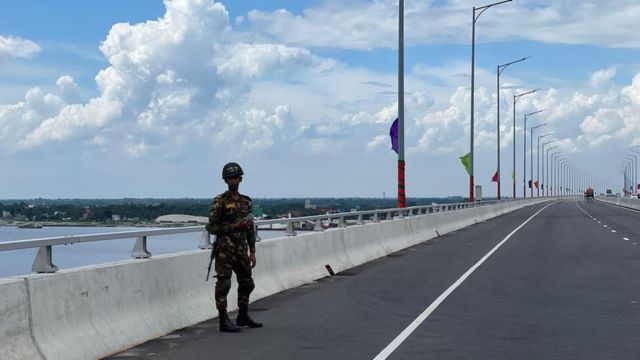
[{"x": 76, "y": 224}]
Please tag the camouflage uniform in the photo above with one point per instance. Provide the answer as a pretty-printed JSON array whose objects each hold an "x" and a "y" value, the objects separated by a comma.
[{"x": 232, "y": 247}]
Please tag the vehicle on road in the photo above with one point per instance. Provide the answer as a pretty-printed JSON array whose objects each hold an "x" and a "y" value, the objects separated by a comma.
[{"x": 588, "y": 194}]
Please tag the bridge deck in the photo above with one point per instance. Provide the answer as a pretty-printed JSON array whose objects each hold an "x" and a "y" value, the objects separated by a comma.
[{"x": 563, "y": 286}]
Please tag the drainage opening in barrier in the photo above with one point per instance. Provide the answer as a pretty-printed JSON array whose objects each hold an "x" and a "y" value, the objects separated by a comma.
[{"x": 329, "y": 269}]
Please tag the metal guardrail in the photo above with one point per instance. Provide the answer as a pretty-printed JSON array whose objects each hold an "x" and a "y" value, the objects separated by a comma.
[{"x": 43, "y": 262}]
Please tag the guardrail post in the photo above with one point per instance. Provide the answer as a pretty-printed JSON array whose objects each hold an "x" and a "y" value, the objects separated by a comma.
[
  {"x": 140, "y": 248},
  {"x": 42, "y": 263},
  {"x": 290, "y": 231},
  {"x": 318, "y": 225},
  {"x": 389, "y": 216},
  {"x": 341, "y": 223},
  {"x": 375, "y": 217},
  {"x": 360, "y": 221},
  {"x": 204, "y": 240}
]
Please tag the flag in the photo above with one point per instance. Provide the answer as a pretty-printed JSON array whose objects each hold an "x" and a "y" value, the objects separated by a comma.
[
  {"x": 542, "y": 186},
  {"x": 466, "y": 162},
  {"x": 393, "y": 133},
  {"x": 535, "y": 183},
  {"x": 529, "y": 184},
  {"x": 495, "y": 177}
]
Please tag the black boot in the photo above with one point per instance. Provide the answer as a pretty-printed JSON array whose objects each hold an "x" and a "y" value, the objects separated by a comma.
[
  {"x": 225, "y": 323},
  {"x": 244, "y": 319}
]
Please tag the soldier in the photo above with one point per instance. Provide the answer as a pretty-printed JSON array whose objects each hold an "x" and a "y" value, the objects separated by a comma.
[{"x": 235, "y": 248}]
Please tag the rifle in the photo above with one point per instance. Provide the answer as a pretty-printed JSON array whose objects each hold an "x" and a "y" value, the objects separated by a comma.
[{"x": 213, "y": 255}]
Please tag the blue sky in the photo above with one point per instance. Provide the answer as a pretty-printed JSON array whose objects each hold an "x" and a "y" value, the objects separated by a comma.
[{"x": 150, "y": 98}]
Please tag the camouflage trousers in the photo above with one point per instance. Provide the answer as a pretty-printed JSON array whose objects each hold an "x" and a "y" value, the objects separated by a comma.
[{"x": 232, "y": 255}]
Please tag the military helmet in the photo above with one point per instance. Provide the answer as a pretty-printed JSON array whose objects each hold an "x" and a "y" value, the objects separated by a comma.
[{"x": 231, "y": 169}]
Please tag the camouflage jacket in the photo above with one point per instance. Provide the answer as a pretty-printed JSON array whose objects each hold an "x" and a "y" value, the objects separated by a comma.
[{"x": 225, "y": 212}]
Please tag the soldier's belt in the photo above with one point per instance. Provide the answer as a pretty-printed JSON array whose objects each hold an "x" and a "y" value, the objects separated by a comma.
[{"x": 235, "y": 235}]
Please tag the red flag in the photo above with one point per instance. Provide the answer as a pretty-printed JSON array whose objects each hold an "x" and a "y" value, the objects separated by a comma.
[
  {"x": 535, "y": 183},
  {"x": 495, "y": 177}
]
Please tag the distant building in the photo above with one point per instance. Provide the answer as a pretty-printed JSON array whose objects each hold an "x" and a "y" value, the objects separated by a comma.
[
  {"x": 115, "y": 217},
  {"x": 6, "y": 214},
  {"x": 308, "y": 205}
]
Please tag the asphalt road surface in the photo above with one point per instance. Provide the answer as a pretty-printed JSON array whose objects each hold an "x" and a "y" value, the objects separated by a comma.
[{"x": 559, "y": 280}]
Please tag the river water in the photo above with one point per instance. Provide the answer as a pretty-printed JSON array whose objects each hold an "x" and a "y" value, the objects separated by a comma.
[{"x": 18, "y": 262}]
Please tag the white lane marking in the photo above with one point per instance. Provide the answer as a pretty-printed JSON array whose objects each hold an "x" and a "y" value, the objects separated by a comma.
[
  {"x": 605, "y": 225},
  {"x": 625, "y": 239},
  {"x": 434, "y": 305},
  {"x": 613, "y": 230},
  {"x": 599, "y": 222},
  {"x": 634, "y": 243}
]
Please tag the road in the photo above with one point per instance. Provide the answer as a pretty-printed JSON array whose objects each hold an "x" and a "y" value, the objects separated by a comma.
[{"x": 552, "y": 281}]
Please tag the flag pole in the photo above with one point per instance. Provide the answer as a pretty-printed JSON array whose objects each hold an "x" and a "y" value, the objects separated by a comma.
[{"x": 401, "y": 184}]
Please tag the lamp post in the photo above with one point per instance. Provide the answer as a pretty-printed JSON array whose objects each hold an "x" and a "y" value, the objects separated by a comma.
[
  {"x": 632, "y": 172},
  {"x": 401, "y": 164},
  {"x": 515, "y": 100},
  {"x": 546, "y": 173},
  {"x": 538, "y": 163},
  {"x": 524, "y": 155},
  {"x": 552, "y": 181},
  {"x": 554, "y": 173},
  {"x": 635, "y": 171},
  {"x": 474, "y": 18},
  {"x": 499, "y": 70},
  {"x": 635, "y": 185},
  {"x": 533, "y": 128},
  {"x": 561, "y": 164}
]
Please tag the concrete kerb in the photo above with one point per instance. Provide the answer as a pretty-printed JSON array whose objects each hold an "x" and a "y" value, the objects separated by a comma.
[{"x": 15, "y": 334}]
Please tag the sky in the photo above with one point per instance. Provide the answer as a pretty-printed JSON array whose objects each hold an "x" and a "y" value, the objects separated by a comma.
[{"x": 150, "y": 98}]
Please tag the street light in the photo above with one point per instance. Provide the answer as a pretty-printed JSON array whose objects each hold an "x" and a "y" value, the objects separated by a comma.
[
  {"x": 546, "y": 173},
  {"x": 515, "y": 100},
  {"x": 402, "y": 197},
  {"x": 533, "y": 128},
  {"x": 473, "y": 76},
  {"x": 561, "y": 165},
  {"x": 499, "y": 71},
  {"x": 538, "y": 162},
  {"x": 556, "y": 177},
  {"x": 633, "y": 159},
  {"x": 524, "y": 155}
]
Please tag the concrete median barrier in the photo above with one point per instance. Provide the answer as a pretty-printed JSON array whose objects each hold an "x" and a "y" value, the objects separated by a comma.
[{"x": 15, "y": 335}]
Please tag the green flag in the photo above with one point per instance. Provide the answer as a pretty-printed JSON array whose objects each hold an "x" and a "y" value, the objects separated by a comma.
[{"x": 466, "y": 162}]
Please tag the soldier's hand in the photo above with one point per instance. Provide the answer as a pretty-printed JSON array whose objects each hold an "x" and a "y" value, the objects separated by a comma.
[
  {"x": 252, "y": 260},
  {"x": 243, "y": 224}
]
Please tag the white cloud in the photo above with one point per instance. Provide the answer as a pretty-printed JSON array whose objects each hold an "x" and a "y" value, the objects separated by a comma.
[
  {"x": 378, "y": 141},
  {"x": 602, "y": 78},
  {"x": 368, "y": 25},
  {"x": 15, "y": 47}
]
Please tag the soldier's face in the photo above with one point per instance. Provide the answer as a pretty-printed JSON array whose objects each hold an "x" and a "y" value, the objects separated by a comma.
[{"x": 234, "y": 182}]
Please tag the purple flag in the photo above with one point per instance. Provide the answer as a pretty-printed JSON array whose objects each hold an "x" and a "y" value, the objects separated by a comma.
[{"x": 393, "y": 133}]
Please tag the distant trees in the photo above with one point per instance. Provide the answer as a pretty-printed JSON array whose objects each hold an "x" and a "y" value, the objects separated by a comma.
[{"x": 103, "y": 210}]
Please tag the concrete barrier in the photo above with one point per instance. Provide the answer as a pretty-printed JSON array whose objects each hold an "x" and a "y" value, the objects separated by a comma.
[
  {"x": 95, "y": 311},
  {"x": 92, "y": 312},
  {"x": 624, "y": 202},
  {"x": 15, "y": 335}
]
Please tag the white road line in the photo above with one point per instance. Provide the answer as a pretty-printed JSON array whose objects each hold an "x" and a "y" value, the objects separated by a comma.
[
  {"x": 599, "y": 222},
  {"x": 613, "y": 230},
  {"x": 434, "y": 305},
  {"x": 625, "y": 239},
  {"x": 605, "y": 225}
]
